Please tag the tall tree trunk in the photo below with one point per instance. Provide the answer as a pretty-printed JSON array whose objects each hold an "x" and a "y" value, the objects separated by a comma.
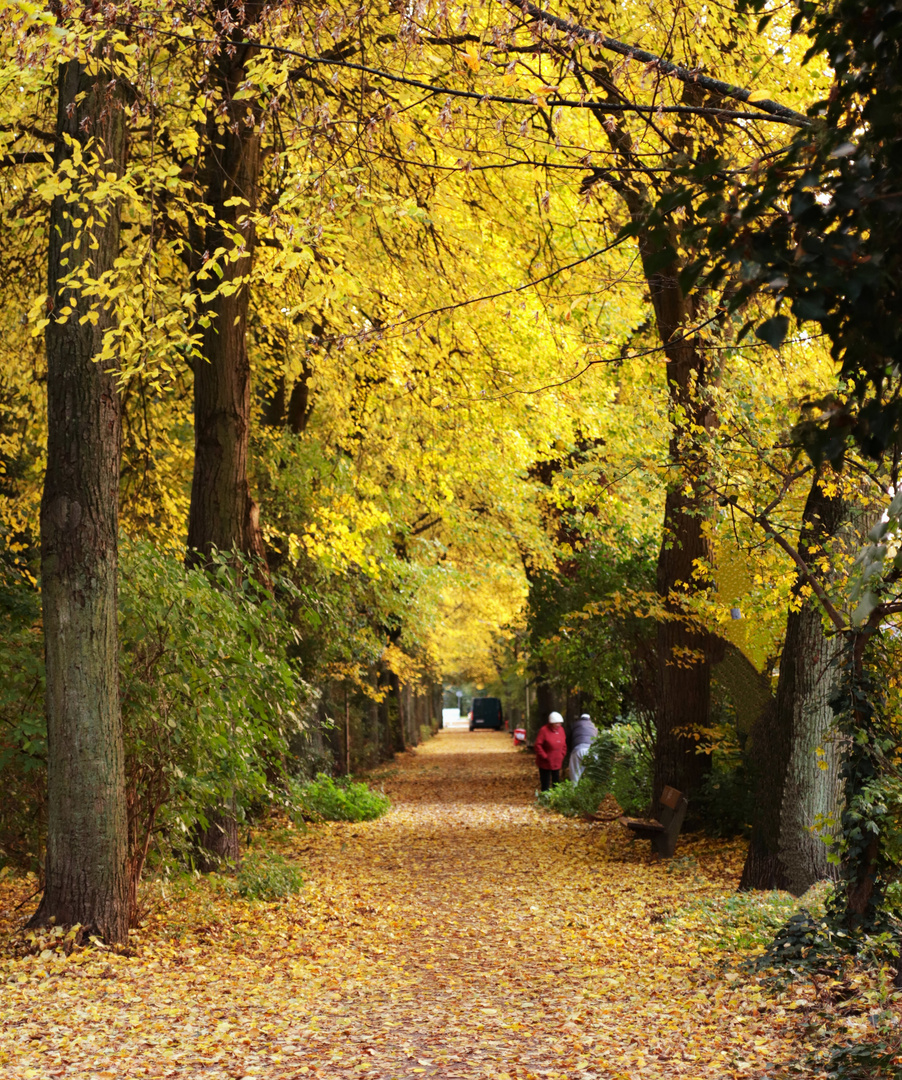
[
  {"x": 86, "y": 876},
  {"x": 375, "y": 735},
  {"x": 683, "y": 650},
  {"x": 395, "y": 714},
  {"x": 410, "y": 716},
  {"x": 791, "y": 786},
  {"x": 812, "y": 788},
  {"x": 770, "y": 744},
  {"x": 222, "y": 513}
]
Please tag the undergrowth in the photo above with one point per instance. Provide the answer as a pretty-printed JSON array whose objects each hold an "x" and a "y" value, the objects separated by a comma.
[
  {"x": 266, "y": 876},
  {"x": 571, "y": 800},
  {"x": 741, "y": 921},
  {"x": 342, "y": 799},
  {"x": 613, "y": 764},
  {"x": 794, "y": 943}
]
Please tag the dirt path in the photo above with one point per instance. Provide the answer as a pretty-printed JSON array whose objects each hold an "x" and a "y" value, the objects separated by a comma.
[{"x": 463, "y": 935}]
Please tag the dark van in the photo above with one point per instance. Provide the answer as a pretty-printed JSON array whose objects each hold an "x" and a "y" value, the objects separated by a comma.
[{"x": 486, "y": 713}]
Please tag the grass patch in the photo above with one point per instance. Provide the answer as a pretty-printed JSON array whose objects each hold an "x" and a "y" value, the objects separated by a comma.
[{"x": 744, "y": 922}]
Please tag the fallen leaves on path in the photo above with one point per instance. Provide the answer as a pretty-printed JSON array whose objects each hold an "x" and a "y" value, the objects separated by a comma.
[{"x": 466, "y": 934}]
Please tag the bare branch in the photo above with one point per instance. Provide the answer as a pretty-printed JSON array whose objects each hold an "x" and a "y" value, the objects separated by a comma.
[
  {"x": 763, "y": 522},
  {"x": 551, "y": 101},
  {"x": 23, "y": 157},
  {"x": 666, "y": 67}
]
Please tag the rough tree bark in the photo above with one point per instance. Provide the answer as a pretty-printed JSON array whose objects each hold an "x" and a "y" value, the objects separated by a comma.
[
  {"x": 683, "y": 650},
  {"x": 394, "y": 714},
  {"x": 791, "y": 787},
  {"x": 812, "y": 787},
  {"x": 86, "y": 875},
  {"x": 222, "y": 512}
]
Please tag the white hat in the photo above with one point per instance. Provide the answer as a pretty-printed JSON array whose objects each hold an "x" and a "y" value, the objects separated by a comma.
[
  {"x": 585, "y": 716},
  {"x": 555, "y": 718}
]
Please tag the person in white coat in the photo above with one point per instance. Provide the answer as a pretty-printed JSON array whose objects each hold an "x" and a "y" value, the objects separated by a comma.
[{"x": 584, "y": 731}]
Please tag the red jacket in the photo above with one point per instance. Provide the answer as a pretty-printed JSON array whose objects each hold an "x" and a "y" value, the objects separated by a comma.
[{"x": 551, "y": 746}]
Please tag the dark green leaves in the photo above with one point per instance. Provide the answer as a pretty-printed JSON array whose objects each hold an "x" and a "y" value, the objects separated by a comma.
[{"x": 773, "y": 330}]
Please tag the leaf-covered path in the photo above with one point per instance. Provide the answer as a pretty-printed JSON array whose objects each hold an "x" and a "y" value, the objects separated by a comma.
[{"x": 463, "y": 935}]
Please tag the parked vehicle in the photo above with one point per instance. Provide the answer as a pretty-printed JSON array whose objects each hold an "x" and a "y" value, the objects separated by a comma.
[{"x": 486, "y": 713}]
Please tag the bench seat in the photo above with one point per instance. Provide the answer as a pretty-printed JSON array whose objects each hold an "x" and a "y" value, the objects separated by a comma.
[{"x": 663, "y": 831}]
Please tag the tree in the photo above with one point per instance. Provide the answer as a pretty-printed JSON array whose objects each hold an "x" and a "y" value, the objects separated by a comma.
[
  {"x": 222, "y": 227},
  {"x": 794, "y": 753},
  {"x": 85, "y": 873},
  {"x": 819, "y": 229}
]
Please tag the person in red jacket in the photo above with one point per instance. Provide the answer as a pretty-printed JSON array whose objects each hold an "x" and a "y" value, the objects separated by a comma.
[{"x": 551, "y": 749}]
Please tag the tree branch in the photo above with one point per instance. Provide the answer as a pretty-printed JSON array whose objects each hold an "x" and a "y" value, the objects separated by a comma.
[
  {"x": 23, "y": 157},
  {"x": 551, "y": 101},
  {"x": 666, "y": 67},
  {"x": 763, "y": 522}
]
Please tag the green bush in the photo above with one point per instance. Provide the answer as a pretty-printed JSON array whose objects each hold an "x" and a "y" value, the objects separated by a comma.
[
  {"x": 575, "y": 800},
  {"x": 266, "y": 876},
  {"x": 23, "y": 729},
  {"x": 210, "y": 699},
  {"x": 571, "y": 800},
  {"x": 210, "y": 695},
  {"x": 613, "y": 764},
  {"x": 344, "y": 799},
  {"x": 599, "y": 762},
  {"x": 631, "y": 777},
  {"x": 724, "y": 802}
]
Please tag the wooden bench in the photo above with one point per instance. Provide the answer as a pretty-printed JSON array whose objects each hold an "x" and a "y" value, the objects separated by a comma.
[{"x": 664, "y": 831}]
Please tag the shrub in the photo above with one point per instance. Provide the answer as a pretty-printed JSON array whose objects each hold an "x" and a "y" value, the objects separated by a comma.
[
  {"x": 599, "y": 762},
  {"x": 614, "y": 763},
  {"x": 741, "y": 921},
  {"x": 23, "y": 730},
  {"x": 724, "y": 802},
  {"x": 344, "y": 799},
  {"x": 631, "y": 777},
  {"x": 575, "y": 800},
  {"x": 266, "y": 876},
  {"x": 210, "y": 698},
  {"x": 571, "y": 800}
]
